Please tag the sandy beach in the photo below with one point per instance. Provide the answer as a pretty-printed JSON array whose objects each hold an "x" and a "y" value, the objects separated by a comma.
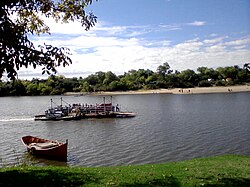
[
  {"x": 197, "y": 90},
  {"x": 200, "y": 90}
]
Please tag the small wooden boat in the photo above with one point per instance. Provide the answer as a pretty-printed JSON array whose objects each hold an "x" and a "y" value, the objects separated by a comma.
[{"x": 46, "y": 148}]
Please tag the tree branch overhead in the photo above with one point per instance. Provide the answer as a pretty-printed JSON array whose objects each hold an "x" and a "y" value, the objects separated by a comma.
[{"x": 20, "y": 18}]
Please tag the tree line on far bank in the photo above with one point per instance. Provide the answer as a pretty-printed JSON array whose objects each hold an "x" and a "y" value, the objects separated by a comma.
[{"x": 164, "y": 77}]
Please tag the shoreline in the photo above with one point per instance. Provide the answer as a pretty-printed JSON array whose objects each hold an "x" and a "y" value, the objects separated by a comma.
[
  {"x": 196, "y": 90},
  {"x": 224, "y": 170}
]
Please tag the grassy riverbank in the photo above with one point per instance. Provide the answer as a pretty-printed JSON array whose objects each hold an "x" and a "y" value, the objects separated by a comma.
[{"x": 230, "y": 170}]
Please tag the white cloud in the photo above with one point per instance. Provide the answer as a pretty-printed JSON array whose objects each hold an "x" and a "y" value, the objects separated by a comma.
[
  {"x": 240, "y": 47},
  {"x": 170, "y": 27},
  {"x": 213, "y": 35},
  {"x": 119, "y": 49},
  {"x": 215, "y": 49},
  {"x": 197, "y": 23},
  {"x": 239, "y": 42},
  {"x": 188, "y": 46},
  {"x": 214, "y": 40}
]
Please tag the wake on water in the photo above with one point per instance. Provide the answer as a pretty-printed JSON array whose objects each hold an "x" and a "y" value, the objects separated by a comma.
[{"x": 15, "y": 119}]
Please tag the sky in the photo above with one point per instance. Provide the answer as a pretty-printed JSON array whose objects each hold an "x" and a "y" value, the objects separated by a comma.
[{"x": 144, "y": 34}]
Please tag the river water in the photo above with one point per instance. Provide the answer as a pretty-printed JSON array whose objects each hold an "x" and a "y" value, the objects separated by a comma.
[{"x": 167, "y": 128}]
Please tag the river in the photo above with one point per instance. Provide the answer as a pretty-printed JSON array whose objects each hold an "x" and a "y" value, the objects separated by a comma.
[{"x": 167, "y": 128}]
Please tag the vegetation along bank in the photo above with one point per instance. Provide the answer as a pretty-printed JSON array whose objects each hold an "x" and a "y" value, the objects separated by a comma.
[
  {"x": 163, "y": 78},
  {"x": 229, "y": 170}
]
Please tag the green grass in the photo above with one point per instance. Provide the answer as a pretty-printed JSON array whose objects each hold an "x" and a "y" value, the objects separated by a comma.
[{"x": 229, "y": 170}]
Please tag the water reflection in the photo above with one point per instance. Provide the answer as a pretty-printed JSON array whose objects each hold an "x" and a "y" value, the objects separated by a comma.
[
  {"x": 28, "y": 159},
  {"x": 166, "y": 128}
]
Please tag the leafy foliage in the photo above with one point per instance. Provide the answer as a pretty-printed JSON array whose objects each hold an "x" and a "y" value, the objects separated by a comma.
[
  {"x": 132, "y": 80},
  {"x": 21, "y": 18}
]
